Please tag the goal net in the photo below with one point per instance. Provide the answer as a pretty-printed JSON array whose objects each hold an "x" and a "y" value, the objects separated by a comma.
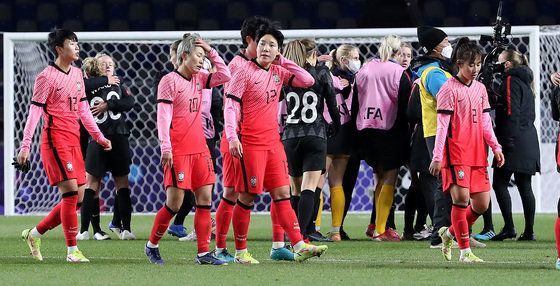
[{"x": 141, "y": 56}]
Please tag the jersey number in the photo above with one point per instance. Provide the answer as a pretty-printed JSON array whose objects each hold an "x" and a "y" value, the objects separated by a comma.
[
  {"x": 474, "y": 116},
  {"x": 270, "y": 95},
  {"x": 309, "y": 110},
  {"x": 102, "y": 118},
  {"x": 73, "y": 101}
]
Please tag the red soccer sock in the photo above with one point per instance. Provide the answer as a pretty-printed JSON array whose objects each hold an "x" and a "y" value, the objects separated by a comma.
[
  {"x": 68, "y": 217},
  {"x": 288, "y": 220},
  {"x": 557, "y": 232},
  {"x": 241, "y": 219},
  {"x": 472, "y": 216},
  {"x": 163, "y": 216},
  {"x": 277, "y": 230},
  {"x": 202, "y": 227},
  {"x": 223, "y": 220},
  {"x": 459, "y": 225},
  {"x": 51, "y": 221}
]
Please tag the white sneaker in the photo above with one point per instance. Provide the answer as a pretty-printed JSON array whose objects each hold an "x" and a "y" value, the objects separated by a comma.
[
  {"x": 83, "y": 236},
  {"x": 115, "y": 230},
  {"x": 424, "y": 233},
  {"x": 101, "y": 236},
  {"x": 190, "y": 237},
  {"x": 127, "y": 235}
]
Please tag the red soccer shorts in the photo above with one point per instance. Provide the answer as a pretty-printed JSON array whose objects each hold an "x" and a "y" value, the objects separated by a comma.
[
  {"x": 473, "y": 178},
  {"x": 227, "y": 164},
  {"x": 62, "y": 164},
  {"x": 261, "y": 169},
  {"x": 190, "y": 172}
]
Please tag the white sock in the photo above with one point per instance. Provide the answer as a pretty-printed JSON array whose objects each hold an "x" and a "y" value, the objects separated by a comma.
[
  {"x": 202, "y": 254},
  {"x": 237, "y": 252},
  {"x": 298, "y": 246},
  {"x": 151, "y": 245},
  {"x": 317, "y": 228},
  {"x": 465, "y": 251},
  {"x": 36, "y": 233},
  {"x": 278, "y": 244},
  {"x": 72, "y": 248},
  {"x": 335, "y": 229},
  {"x": 219, "y": 250}
]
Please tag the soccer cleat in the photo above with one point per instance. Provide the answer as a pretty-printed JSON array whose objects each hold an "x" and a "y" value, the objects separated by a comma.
[
  {"x": 309, "y": 250},
  {"x": 127, "y": 235},
  {"x": 469, "y": 257},
  {"x": 485, "y": 235},
  {"x": 177, "y": 230},
  {"x": 76, "y": 256},
  {"x": 224, "y": 255},
  {"x": 343, "y": 234},
  {"x": 406, "y": 235},
  {"x": 281, "y": 253},
  {"x": 100, "y": 236},
  {"x": 434, "y": 246},
  {"x": 447, "y": 243},
  {"x": 370, "y": 230},
  {"x": 34, "y": 244},
  {"x": 334, "y": 235},
  {"x": 114, "y": 229},
  {"x": 153, "y": 255},
  {"x": 317, "y": 236},
  {"x": 388, "y": 235},
  {"x": 190, "y": 237},
  {"x": 505, "y": 234},
  {"x": 527, "y": 237},
  {"x": 209, "y": 259},
  {"x": 558, "y": 263},
  {"x": 83, "y": 236},
  {"x": 245, "y": 258},
  {"x": 475, "y": 243}
]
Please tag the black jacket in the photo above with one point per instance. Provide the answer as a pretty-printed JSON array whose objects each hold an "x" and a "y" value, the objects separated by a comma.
[{"x": 514, "y": 122}]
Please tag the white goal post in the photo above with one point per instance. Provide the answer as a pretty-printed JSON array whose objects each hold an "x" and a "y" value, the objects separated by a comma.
[{"x": 139, "y": 55}]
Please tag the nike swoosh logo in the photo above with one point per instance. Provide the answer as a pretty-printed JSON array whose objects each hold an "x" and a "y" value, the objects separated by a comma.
[
  {"x": 258, "y": 82},
  {"x": 459, "y": 100},
  {"x": 180, "y": 91},
  {"x": 58, "y": 89}
]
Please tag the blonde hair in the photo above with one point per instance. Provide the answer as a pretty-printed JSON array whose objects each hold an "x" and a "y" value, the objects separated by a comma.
[
  {"x": 92, "y": 67},
  {"x": 518, "y": 59},
  {"x": 310, "y": 46},
  {"x": 175, "y": 44},
  {"x": 338, "y": 53},
  {"x": 389, "y": 47},
  {"x": 295, "y": 51},
  {"x": 407, "y": 45},
  {"x": 186, "y": 46}
]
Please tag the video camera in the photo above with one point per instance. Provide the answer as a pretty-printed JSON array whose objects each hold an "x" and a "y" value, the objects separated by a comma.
[{"x": 499, "y": 42}]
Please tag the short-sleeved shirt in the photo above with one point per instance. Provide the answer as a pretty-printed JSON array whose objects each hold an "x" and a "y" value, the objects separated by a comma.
[
  {"x": 186, "y": 133},
  {"x": 59, "y": 94},
  {"x": 257, "y": 90},
  {"x": 465, "y": 143}
]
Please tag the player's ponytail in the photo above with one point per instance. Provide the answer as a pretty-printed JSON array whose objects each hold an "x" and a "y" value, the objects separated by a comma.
[
  {"x": 295, "y": 51},
  {"x": 465, "y": 51}
]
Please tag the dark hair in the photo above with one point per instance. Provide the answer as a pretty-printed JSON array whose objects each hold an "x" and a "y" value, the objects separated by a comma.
[
  {"x": 465, "y": 51},
  {"x": 58, "y": 36},
  {"x": 269, "y": 30},
  {"x": 250, "y": 27}
]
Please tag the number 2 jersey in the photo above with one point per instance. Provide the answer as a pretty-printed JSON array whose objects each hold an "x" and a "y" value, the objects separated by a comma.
[{"x": 305, "y": 105}]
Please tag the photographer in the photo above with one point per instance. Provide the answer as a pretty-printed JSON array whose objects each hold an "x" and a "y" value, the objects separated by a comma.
[{"x": 515, "y": 115}]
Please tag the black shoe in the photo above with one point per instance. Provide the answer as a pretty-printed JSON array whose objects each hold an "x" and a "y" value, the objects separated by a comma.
[
  {"x": 343, "y": 234},
  {"x": 505, "y": 234},
  {"x": 317, "y": 236},
  {"x": 406, "y": 235},
  {"x": 527, "y": 237}
]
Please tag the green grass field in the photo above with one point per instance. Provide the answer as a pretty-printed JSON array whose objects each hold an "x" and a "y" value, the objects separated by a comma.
[{"x": 356, "y": 262}]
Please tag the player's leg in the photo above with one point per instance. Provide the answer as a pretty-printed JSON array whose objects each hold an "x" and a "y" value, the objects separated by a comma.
[
  {"x": 308, "y": 185},
  {"x": 348, "y": 182},
  {"x": 224, "y": 211},
  {"x": 384, "y": 203},
  {"x": 336, "y": 174},
  {"x": 69, "y": 190},
  {"x": 557, "y": 235},
  {"x": 87, "y": 208},
  {"x": 500, "y": 183},
  {"x": 124, "y": 206},
  {"x": 203, "y": 226},
  {"x": 295, "y": 193},
  {"x": 241, "y": 218}
]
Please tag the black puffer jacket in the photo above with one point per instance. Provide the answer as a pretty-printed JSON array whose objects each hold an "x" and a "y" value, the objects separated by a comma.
[{"x": 514, "y": 122}]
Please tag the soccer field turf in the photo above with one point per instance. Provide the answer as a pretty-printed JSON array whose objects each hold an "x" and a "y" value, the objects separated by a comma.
[{"x": 356, "y": 262}]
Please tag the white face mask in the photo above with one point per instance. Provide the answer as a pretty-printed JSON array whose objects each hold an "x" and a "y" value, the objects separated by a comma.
[
  {"x": 207, "y": 64},
  {"x": 447, "y": 51},
  {"x": 354, "y": 66}
]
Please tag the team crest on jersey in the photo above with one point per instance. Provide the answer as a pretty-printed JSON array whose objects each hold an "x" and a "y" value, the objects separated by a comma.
[
  {"x": 197, "y": 86},
  {"x": 253, "y": 181},
  {"x": 69, "y": 166},
  {"x": 79, "y": 85},
  {"x": 461, "y": 174},
  {"x": 276, "y": 78},
  {"x": 181, "y": 176}
]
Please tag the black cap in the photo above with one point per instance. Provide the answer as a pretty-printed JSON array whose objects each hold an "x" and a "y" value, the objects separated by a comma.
[{"x": 430, "y": 37}]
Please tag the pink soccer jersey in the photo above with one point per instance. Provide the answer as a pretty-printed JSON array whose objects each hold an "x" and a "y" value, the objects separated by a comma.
[
  {"x": 233, "y": 66},
  {"x": 59, "y": 94},
  {"x": 258, "y": 90},
  {"x": 465, "y": 137}
]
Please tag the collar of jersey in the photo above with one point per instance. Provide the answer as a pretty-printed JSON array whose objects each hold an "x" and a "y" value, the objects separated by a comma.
[
  {"x": 182, "y": 75},
  {"x": 255, "y": 61},
  {"x": 467, "y": 85},
  {"x": 58, "y": 68},
  {"x": 243, "y": 56}
]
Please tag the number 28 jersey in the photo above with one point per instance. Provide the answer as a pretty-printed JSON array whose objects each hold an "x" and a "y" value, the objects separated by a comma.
[{"x": 305, "y": 105}]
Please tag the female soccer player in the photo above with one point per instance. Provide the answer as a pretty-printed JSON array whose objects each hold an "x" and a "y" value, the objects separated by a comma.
[
  {"x": 305, "y": 132},
  {"x": 184, "y": 154},
  {"x": 381, "y": 97},
  {"x": 251, "y": 104},
  {"x": 107, "y": 102},
  {"x": 517, "y": 134},
  {"x": 59, "y": 94},
  {"x": 463, "y": 128},
  {"x": 555, "y": 106}
]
